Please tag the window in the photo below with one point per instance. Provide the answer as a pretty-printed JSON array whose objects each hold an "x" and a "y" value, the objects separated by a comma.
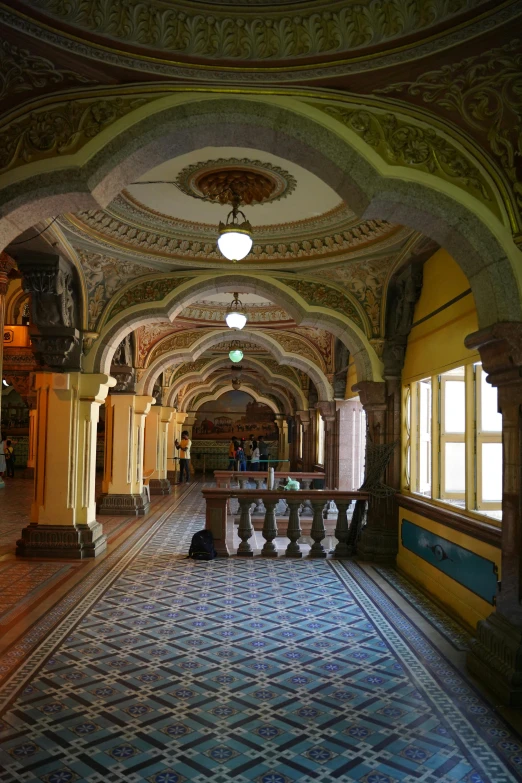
[
  {"x": 452, "y": 443},
  {"x": 488, "y": 446},
  {"x": 320, "y": 439}
]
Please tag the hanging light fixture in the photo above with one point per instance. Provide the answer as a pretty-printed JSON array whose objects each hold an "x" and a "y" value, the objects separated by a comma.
[
  {"x": 235, "y": 238},
  {"x": 235, "y": 354},
  {"x": 236, "y": 317}
]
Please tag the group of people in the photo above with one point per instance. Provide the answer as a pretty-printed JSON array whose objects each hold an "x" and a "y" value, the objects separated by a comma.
[
  {"x": 247, "y": 454},
  {"x": 7, "y": 458}
]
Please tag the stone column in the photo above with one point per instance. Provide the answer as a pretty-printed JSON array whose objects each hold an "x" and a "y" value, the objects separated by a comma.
[
  {"x": 303, "y": 417},
  {"x": 155, "y": 459},
  {"x": 348, "y": 439},
  {"x": 331, "y": 446},
  {"x": 282, "y": 445},
  {"x": 6, "y": 266},
  {"x": 496, "y": 653},
  {"x": 379, "y": 538},
  {"x": 63, "y": 513},
  {"x": 123, "y": 471}
]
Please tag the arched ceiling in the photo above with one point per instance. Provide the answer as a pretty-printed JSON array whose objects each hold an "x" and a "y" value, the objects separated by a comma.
[{"x": 301, "y": 223}]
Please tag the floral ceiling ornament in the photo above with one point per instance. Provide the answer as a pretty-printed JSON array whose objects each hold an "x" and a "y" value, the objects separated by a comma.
[
  {"x": 256, "y": 181},
  {"x": 486, "y": 93},
  {"x": 403, "y": 143}
]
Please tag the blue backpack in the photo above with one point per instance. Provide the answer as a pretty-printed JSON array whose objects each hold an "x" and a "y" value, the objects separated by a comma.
[{"x": 202, "y": 546}]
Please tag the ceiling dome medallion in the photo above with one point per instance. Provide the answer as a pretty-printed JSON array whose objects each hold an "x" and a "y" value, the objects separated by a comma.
[{"x": 221, "y": 180}]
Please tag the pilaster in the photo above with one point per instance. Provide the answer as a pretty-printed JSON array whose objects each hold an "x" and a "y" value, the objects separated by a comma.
[
  {"x": 63, "y": 513},
  {"x": 155, "y": 460},
  {"x": 496, "y": 653},
  {"x": 123, "y": 470},
  {"x": 378, "y": 541},
  {"x": 6, "y": 267}
]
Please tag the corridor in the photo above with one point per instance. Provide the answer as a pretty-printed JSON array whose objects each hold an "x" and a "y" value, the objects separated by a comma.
[{"x": 157, "y": 668}]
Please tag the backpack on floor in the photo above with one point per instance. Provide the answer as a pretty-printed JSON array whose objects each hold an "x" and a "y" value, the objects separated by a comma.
[{"x": 202, "y": 546}]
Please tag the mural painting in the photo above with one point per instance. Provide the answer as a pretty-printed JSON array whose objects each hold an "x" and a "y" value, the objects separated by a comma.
[{"x": 235, "y": 413}]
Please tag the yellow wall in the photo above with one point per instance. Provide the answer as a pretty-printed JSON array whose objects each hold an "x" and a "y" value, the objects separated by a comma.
[
  {"x": 351, "y": 380},
  {"x": 19, "y": 335},
  {"x": 435, "y": 345},
  {"x": 438, "y": 343},
  {"x": 461, "y": 602}
]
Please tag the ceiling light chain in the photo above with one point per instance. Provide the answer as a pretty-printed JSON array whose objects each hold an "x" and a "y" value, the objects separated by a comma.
[{"x": 236, "y": 317}]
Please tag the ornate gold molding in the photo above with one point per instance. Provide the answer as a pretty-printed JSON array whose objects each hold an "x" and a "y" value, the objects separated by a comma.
[
  {"x": 145, "y": 291},
  {"x": 298, "y": 31},
  {"x": 403, "y": 143},
  {"x": 322, "y": 295},
  {"x": 175, "y": 342},
  {"x": 21, "y": 71},
  {"x": 61, "y": 129},
  {"x": 486, "y": 92}
]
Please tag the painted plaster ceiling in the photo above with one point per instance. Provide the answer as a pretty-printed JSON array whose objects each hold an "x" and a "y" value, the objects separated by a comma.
[{"x": 300, "y": 222}]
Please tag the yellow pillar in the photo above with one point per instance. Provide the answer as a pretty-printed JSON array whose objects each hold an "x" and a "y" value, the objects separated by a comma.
[
  {"x": 122, "y": 486},
  {"x": 155, "y": 461},
  {"x": 63, "y": 513},
  {"x": 31, "y": 459}
]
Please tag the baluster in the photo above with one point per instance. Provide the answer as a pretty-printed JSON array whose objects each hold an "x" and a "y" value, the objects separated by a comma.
[
  {"x": 243, "y": 483},
  {"x": 270, "y": 529},
  {"x": 260, "y": 508},
  {"x": 245, "y": 529},
  {"x": 318, "y": 532},
  {"x": 342, "y": 531},
  {"x": 294, "y": 530}
]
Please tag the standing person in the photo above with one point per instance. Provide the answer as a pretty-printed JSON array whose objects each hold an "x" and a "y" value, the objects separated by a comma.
[
  {"x": 254, "y": 462},
  {"x": 241, "y": 456},
  {"x": 248, "y": 450},
  {"x": 9, "y": 458},
  {"x": 232, "y": 454},
  {"x": 184, "y": 456},
  {"x": 2, "y": 455},
  {"x": 263, "y": 453}
]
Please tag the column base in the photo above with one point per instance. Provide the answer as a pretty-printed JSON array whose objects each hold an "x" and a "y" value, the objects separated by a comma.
[
  {"x": 124, "y": 505},
  {"x": 495, "y": 658},
  {"x": 380, "y": 545},
  {"x": 62, "y": 541},
  {"x": 160, "y": 487}
]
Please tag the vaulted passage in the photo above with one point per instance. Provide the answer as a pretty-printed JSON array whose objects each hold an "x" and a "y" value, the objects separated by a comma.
[{"x": 163, "y": 669}]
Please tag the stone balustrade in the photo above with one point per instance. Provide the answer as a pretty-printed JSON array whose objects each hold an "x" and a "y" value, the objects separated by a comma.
[
  {"x": 225, "y": 478},
  {"x": 221, "y": 522}
]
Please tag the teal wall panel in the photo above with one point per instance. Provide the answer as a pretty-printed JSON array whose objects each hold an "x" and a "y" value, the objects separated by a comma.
[{"x": 467, "y": 568}]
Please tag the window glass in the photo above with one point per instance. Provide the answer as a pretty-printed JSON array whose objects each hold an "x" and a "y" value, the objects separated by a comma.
[
  {"x": 490, "y": 418},
  {"x": 424, "y": 442},
  {"x": 455, "y": 406},
  {"x": 492, "y": 472},
  {"x": 455, "y": 467}
]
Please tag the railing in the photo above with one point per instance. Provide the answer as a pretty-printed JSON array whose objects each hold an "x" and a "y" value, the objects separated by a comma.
[
  {"x": 224, "y": 478},
  {"x": 221, "y": 522}
]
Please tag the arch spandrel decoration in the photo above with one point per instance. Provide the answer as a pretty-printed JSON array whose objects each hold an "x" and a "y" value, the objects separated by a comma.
[
  {"x": 213, "y": 393},
  {"x": 464, "y": 225}
]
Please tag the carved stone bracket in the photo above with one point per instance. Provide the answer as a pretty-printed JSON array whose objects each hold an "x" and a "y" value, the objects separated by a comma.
[
  {"x": 402, "y": 298},
  {"x": 57, "y": 347},
  {"x": 125, "y": 380}
]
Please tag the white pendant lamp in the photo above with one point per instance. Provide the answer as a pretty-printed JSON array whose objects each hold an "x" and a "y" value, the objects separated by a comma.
[
  {"x": 236, "y": 317},
  {"x": 235, "y": 238}
]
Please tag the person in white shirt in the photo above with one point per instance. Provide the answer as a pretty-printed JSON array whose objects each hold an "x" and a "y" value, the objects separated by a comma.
[{"x": 254, "y": 460}]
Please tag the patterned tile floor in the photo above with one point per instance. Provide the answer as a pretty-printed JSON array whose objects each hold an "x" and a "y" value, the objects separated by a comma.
[{"x": 166, "y": 670}]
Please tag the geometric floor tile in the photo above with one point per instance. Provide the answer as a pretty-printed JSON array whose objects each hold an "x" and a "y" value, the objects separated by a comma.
[{"x": 241, "y": 670}]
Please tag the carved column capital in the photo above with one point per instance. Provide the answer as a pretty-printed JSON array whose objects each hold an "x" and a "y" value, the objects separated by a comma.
[
  {"x": 372, "y": 394},
  {"x": 304, "y": 418},
  {"x": 6, "y": 267},
  {"x": 500, "y": 348}
]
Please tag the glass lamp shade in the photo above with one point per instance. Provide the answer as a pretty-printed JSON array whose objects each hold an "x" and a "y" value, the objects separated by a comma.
[
  {"x": 236, "y": 355},
  {"x": 235, "y": 320},
  {"x": 234, "y": 243}
]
